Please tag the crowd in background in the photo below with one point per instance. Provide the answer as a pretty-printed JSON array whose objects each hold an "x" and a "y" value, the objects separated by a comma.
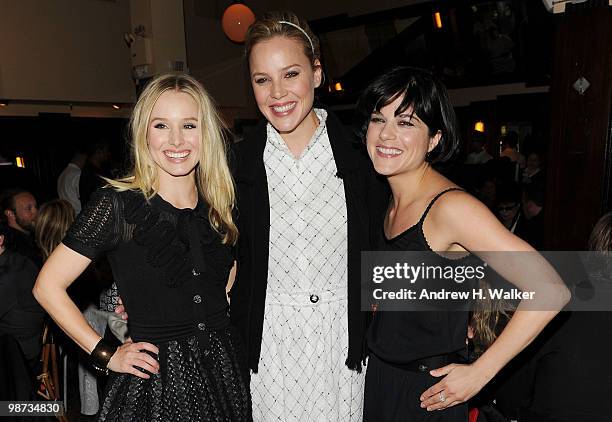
[{"x": 29, "y": 232}]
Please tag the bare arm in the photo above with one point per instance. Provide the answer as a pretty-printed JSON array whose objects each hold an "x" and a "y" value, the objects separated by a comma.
[
  {"x": 230, "y": 281},
  {"x": 468, "y": 223},
  {"x": 59, "y": 272}
]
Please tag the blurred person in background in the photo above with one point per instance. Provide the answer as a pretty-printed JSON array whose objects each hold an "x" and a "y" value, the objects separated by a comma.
[
  {"x": 54, "y": 219},
  {"x": 68, "y": 181},
  {"x": 531, "y": 228},
  {"x": 96, "y": 167},
  {"x": 508, "y": 206},
  {"x": 486, "y": 191},
  {"x": 533, "y": 172},
  {"x": 510, "y": 149},
  {"x": 20, "y": 210},
  {"x": 478, "y": 152},
  {"x": 20, "y": 314}
]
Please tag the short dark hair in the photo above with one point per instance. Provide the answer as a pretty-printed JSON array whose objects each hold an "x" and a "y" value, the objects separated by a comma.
[
  {"x": 479, "y": 137},
  {"x": 7, "y": 198},
  {"x": 428, "y": 97}
]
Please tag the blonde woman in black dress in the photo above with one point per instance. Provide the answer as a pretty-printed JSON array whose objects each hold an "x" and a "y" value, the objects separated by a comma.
[{"x": 167, "y": 230}]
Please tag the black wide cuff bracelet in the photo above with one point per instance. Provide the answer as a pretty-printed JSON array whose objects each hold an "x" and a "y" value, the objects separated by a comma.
[{"x": 101, "y": 354}]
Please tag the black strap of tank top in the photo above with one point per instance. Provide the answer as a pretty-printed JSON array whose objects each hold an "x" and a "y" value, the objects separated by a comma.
[{"x": 435, "y": 198}]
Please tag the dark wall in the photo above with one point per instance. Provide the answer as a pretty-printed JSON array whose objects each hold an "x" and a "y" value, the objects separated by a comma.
[
  {"x": 579, "y": 170},
  {"x": 48, "y": 141}
]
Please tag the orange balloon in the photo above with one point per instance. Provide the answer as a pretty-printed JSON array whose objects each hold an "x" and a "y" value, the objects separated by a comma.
[{"x": 236, "y": 20}]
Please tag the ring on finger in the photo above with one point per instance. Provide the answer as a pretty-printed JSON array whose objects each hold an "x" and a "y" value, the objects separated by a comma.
[{"x": 442, "y": 398}]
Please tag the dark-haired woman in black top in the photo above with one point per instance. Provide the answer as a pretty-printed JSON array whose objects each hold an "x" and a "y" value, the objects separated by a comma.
[{"x": 408, "y": 124}]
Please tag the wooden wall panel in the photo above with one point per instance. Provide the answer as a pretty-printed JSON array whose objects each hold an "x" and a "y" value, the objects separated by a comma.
[{"x": 579, "y": 155}]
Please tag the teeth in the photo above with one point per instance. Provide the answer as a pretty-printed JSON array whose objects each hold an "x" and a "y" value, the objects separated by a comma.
[
  {"x": 282, "y": 109},
  {"x": 389, "y": 151},
  {"x": 176, "y": 154}
]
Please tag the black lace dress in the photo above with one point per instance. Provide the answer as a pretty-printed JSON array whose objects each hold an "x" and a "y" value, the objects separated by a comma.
[{"x": 171, "y": 269}]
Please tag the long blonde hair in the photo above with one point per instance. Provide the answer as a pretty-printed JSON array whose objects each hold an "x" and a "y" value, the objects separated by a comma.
[
  {"x": 52, "y": 222},
  {"x": 213, "y": 178}
]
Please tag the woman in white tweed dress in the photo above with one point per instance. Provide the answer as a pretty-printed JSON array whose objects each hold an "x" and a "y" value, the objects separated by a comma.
[{"x": 304, "y": 215}]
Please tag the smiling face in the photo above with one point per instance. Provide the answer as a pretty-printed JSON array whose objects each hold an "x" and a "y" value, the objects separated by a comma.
[
  {"x": 397, "y": 144},
  {"x": 284, "y": 81},
  {"x": 173, "y": 135}
]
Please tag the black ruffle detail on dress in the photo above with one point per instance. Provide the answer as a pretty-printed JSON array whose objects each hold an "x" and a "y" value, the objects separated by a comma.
[{"x": 167, "y": 242}]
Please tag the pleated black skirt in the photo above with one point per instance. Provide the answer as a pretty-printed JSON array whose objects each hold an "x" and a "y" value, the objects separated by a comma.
[{"x": 201, "y": 378}]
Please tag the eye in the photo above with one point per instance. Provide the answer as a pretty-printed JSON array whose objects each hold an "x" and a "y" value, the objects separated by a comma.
[
  {"x": 160, "y": 126},
  {"x": 376, "y": 119},
  {"x": 260, "y": 80},
  {"x": 189, "y": 126},
  {"x": 407, "y": 123},
  {"x": 292, "y": 74}
]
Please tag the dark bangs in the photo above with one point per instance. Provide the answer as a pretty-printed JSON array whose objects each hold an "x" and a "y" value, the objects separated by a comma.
[{"x": 423, "y": 92}]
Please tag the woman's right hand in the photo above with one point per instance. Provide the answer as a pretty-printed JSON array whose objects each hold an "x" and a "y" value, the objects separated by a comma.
[{"x": 130, "y": 355}]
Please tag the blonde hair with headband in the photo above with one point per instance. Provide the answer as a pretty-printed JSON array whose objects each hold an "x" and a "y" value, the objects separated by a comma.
[
  {"x": 304, "y": 32},
  {"x": 283, "y": 24}
]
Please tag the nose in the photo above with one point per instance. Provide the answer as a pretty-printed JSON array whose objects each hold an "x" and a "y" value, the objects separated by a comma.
[
  {"x": 386, "y": 133},
  {"x": 278, "y": 90},
  {"x": 176, "y": 137}
]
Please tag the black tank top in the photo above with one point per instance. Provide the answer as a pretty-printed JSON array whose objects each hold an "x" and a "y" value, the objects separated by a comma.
[{"x": 402, "y": 337}]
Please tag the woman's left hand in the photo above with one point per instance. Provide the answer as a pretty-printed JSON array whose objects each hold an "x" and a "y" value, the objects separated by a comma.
[{"x": 461, "y": 383}]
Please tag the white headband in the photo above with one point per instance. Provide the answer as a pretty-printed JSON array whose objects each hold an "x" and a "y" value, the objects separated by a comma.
[{"x": 303, "y": 32}]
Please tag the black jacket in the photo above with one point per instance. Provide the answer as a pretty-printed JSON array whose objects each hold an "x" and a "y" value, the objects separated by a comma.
[{"x": 366, "y": 197}]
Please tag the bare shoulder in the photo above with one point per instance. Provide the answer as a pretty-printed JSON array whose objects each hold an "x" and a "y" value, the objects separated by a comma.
[
  {"x": 466, "y": 221},
  {"x": 458, "y": 204}
]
